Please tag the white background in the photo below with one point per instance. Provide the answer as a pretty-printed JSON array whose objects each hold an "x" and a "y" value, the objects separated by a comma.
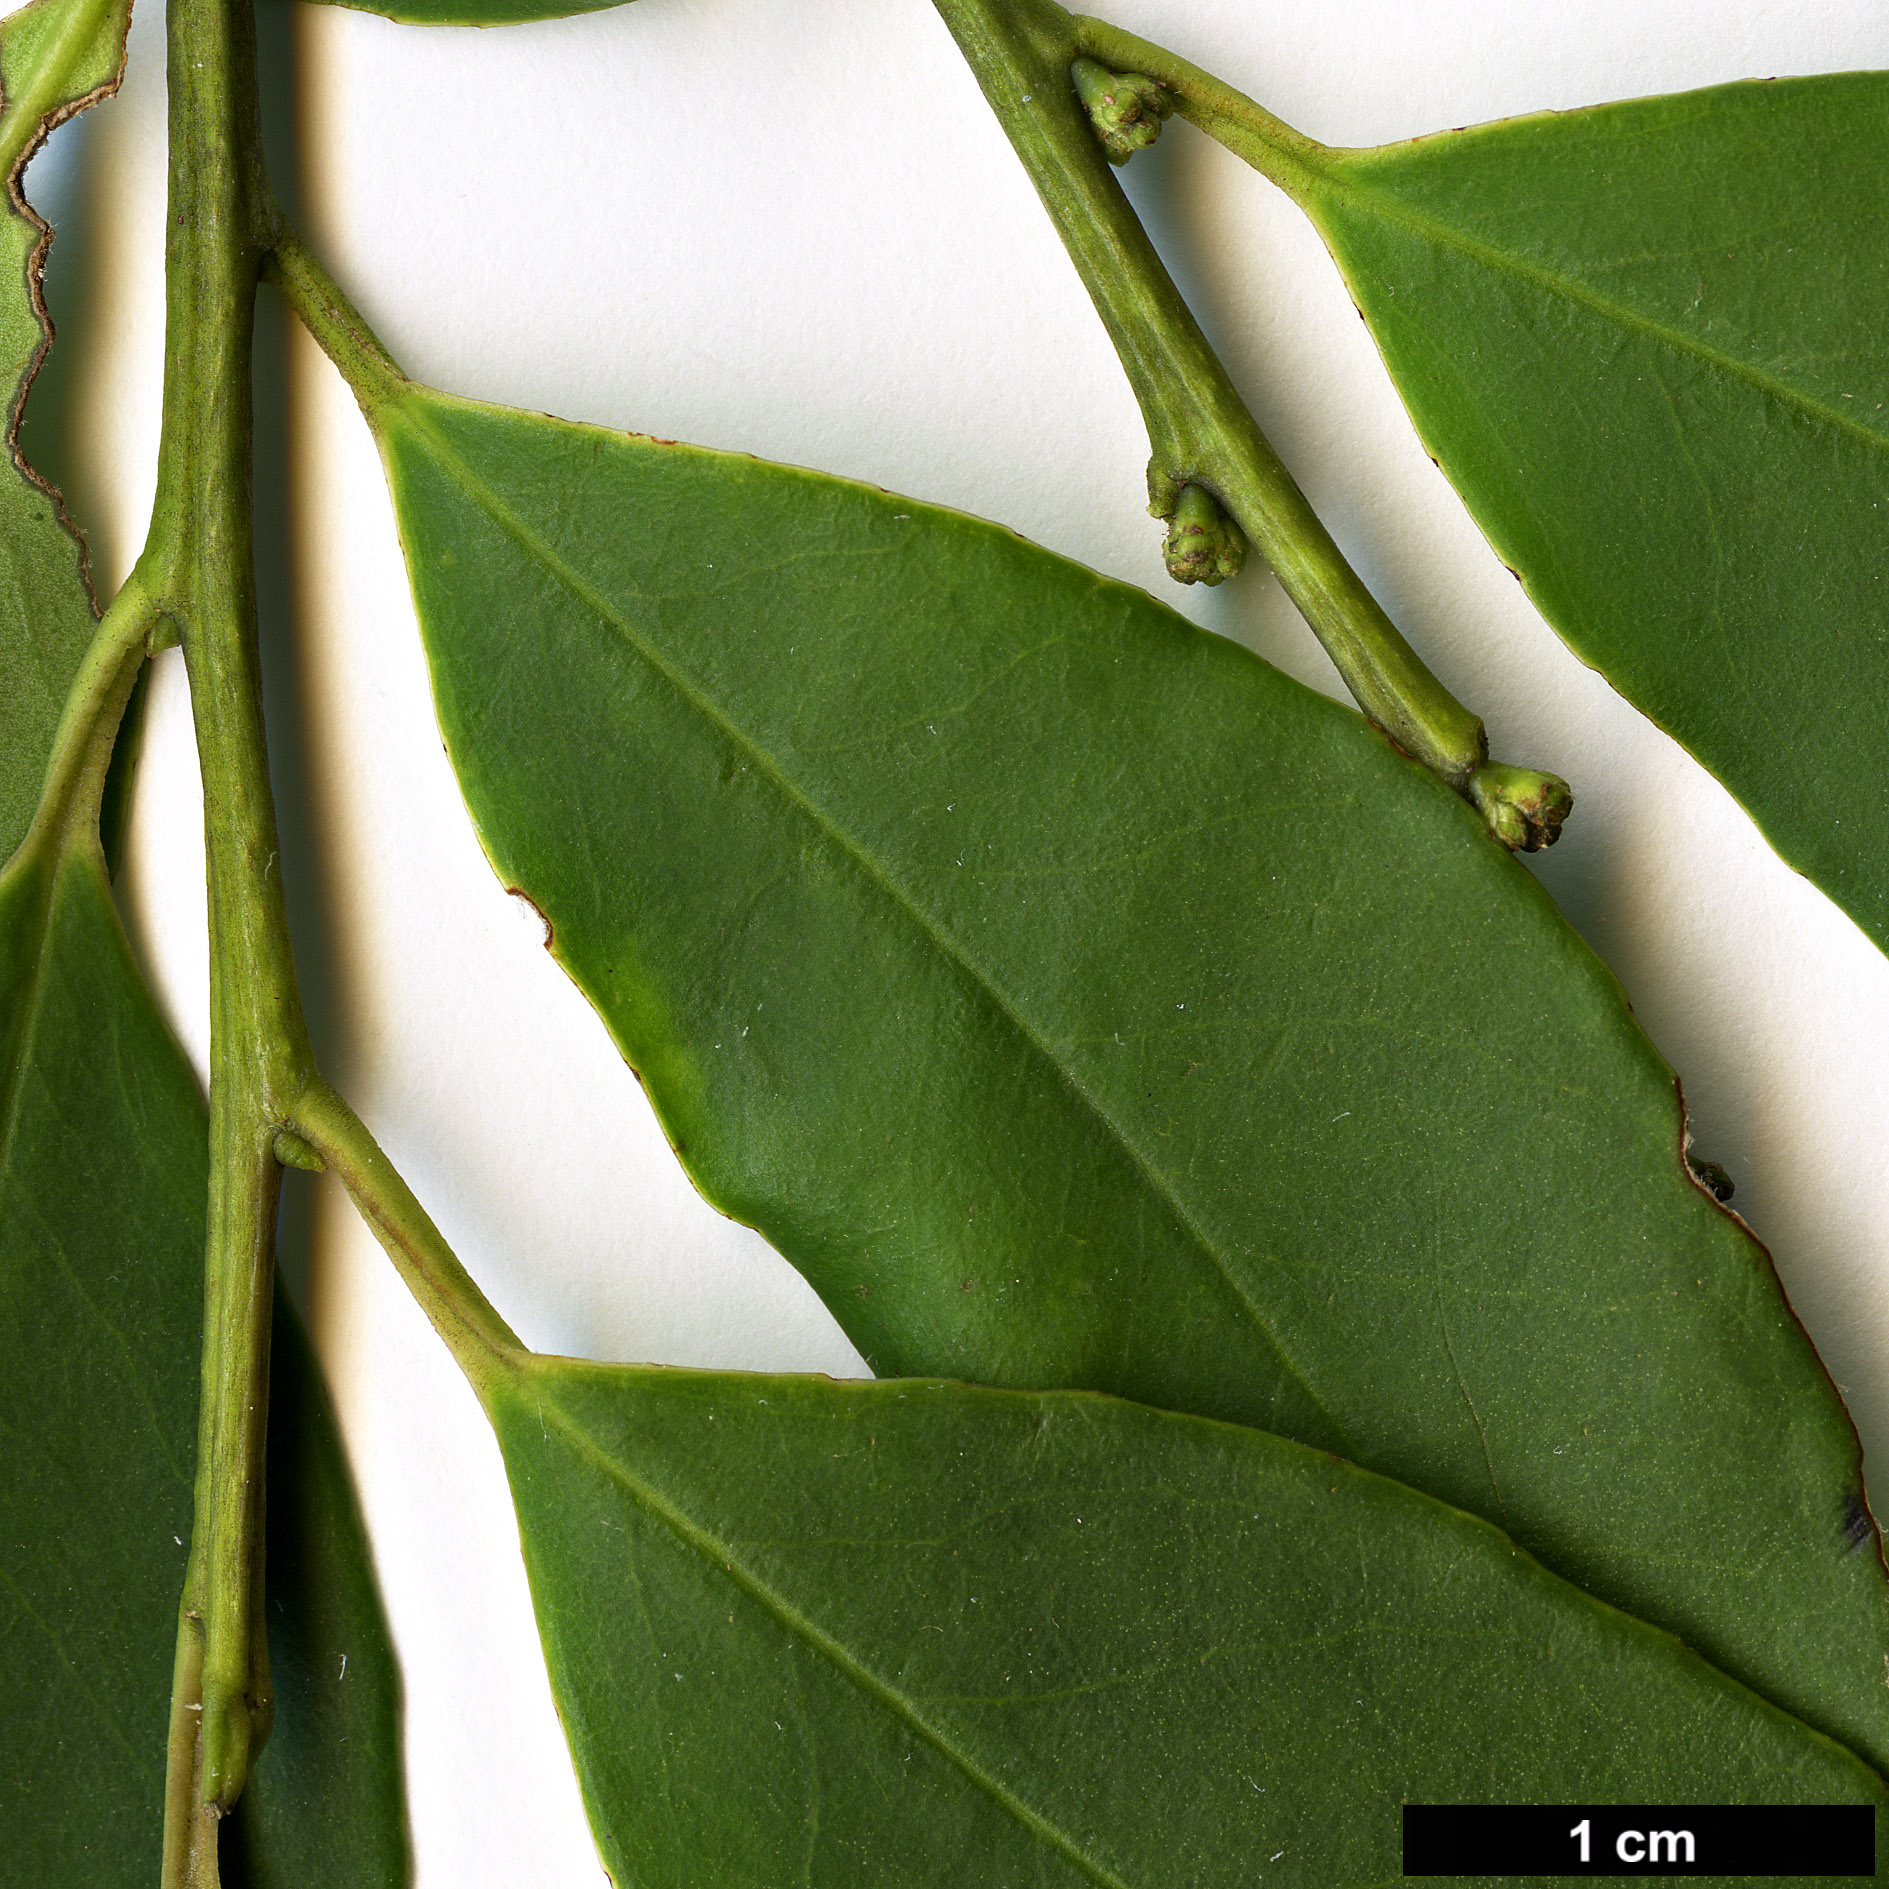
[{"x": 790, "y": 226}]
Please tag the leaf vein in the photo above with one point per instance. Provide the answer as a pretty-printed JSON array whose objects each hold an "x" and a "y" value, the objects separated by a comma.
[
  {"x": 722, "y": 1558},
  {"x": 1497, "y": 260},
  {"x": 507, "y": 519}
]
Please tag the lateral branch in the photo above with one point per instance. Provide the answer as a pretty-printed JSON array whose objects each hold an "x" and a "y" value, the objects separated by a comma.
[{"x": 1073, "y": 96}]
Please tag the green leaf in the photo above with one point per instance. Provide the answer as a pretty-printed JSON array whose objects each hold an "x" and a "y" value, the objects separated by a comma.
[
  {"x": 324, "y": 1803},
  {"x": 1645, "y": 343},
  {"x": 476, "y": 12},
  {"x": 102, "y": 1173},
  {"x": 103, "y": 1170},
  {"x": 1078, "y": 1002},
  {"x": 897, "y": 1633},
  {"x": 56, "y": 57}
]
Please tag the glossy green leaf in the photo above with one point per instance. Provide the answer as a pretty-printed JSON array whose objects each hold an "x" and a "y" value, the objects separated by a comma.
[
  {"x": 1645, "y": 342},
  {"x": 917, "y": 1633},
  {"x": 56, "y": 57},
  {"x": 103, "y": 1166},
  {"x": 1080, "y": 1003}
]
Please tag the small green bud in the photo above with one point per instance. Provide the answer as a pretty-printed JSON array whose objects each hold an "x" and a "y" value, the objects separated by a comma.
[
  {"x": 1523, "y": 806},
  {"x": 291, "y": 1151},
  {"x": 1126, "y": 108},
  {"x": 1203, "y": 545}
]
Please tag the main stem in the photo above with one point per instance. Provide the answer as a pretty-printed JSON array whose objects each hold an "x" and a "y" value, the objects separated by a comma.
[
  {"x": 260, "y": 1062},
  {"x": 1201, "y": 435}
]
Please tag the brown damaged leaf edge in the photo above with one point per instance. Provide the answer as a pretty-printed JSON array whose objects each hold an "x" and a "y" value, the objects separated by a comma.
[
  {"x": 50, "y": 122},
  {"x": 1858, "y": 1522},
  {"x": 544, "y": 918}
]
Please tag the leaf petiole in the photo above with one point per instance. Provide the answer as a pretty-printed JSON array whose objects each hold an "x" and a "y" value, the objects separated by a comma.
[
  {"x": 480, "y": 1341},
  {"x": 1284, "y": 156},
  {"x": 82, "y": 749},
  {"x": 334, "y": 321}
]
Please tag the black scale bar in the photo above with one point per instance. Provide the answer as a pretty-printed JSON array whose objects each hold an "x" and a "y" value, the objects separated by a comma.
[{"x": 1639, "y": 1840}]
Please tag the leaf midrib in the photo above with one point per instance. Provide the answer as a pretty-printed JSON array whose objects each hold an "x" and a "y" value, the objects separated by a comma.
[
  {"x": 1380, "y": 200},
  {"x": 22, "y": 115},
  {"x": 508, "y": 520},
  {"x": 11, "y": 1105},
  {"x": 16, "y": 1078},
  {"x": 723, "y": 1559},
  {"x": 41, "y": 924}
]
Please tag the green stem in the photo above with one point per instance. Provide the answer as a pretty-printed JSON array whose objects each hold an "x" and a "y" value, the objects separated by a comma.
[
  {"x": 68, "y": 808},
  {"x": 219, "y": 226},
  {"x": 268, "y": 1104},
  {"x": 1202, "y": 436},
  {"x": 324, "y": 1130},
  {"x": 481, "y": 1341},
  {"x": 190, "y": 1850}
]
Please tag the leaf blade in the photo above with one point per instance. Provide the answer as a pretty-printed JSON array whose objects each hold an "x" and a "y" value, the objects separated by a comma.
[
  {"x": 917, "y": 1632},
  {"x": 1663, "y": 404},
  {"x": 475, "y": 12},
  {"x": 56, "y": 57},
  {"x": 65, "y": 1645},
  {"x": 870, "y": 714},
  {"x": 103, "y": 1172},
  {"x": 325, "y": 1801}
]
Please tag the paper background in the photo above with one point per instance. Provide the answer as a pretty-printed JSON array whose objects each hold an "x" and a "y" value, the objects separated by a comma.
[{"x": 790, "y": 226}]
